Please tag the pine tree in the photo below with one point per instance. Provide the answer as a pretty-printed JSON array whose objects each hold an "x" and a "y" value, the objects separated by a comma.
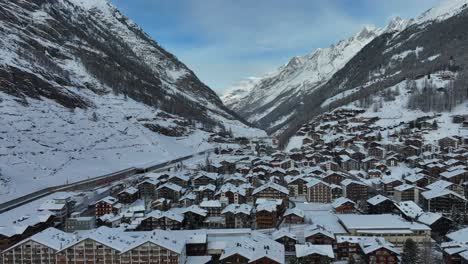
[
  {"x": 410, "y": 252},
  {"x": 94, "y": 117}
]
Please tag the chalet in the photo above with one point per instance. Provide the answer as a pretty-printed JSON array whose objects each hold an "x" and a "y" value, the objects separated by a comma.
[
  {"x": 377, "y": 152},
  {"x": 107, "y": 205},
  {"x": 294, "y": 216},
  {"x": 419, "y": 180},
  {"x": 369, "y": 163},
  {"x": 318, "y": 191},
  {"x": 203, "y": 179},
  {"x": 456, "y": 176},
  {"x": 147, "y": 188},
  {"x": 374, "y": 173},
  {"x": 266, "y": 215},
  {"x": 254, "y": 248},
  {"x": 333, "y": 177},
  {"x": 189, "y": 198},
  {"x": 410, "y": 150},
  {"x": 336, "y": 191},
  {"x": 392, "y": 161},
  {"x": 354, "y": 190},
  {"x": 296, "y": 185},
  {"x": 14, "y": 230},
  {"x": 205, "y": 192},
  {"x": 170, "y": 191},
  {"x": 377, "y": 250},
  {"x": 347, "y": 163},
  {"x": 161, "y": 220},
  {"x": 344, "y": 205},
  {"x": 448, "y": 142},
  {"x": 128, "y": 195},
  {"x": 213, "y": 207},
  {"x": 231, "y": 193},
  {"x": 380, "y": 204},
  {"x": 389, "y": 183},
  {"x": 238, "y": 215},
  {"x": 443, "y": 200},
  {"x": 195, "y": 216},
  {"x": 287, "y": 238},
  {"x": 236, "y": 179},
  {"x": 271, "y": 190},
  {"x": 161, "y": 204},
  {"x": 319, "y": 235},
  {"x": 455, "y": 250},
  {"x": 180, "y": 179},
  {"x": 314, "y": 254},
  {"x": 406, "y": 192}
]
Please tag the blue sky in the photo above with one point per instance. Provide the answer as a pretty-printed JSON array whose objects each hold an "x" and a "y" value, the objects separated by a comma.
[{"x": 224, "y": 41}]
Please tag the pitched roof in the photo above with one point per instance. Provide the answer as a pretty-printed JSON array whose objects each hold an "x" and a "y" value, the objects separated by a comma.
[
  {"x": 273, "y": 186},
  {"x": 310, "y": 249}
]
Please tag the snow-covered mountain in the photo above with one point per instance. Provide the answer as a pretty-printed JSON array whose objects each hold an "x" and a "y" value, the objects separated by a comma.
[
  {"x": 234, "y": 93},
  {"x": 432, "y": 44},
  {"x": 84, "y": 91},
  {"x": 373, "y": 58},
  {"x": 276, "y": 96}
]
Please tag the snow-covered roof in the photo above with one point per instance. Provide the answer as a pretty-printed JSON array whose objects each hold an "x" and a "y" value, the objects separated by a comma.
[
  {"x": 130, "y": 190},
  {"x": 459, "y": 235},
  {"x": 371, "y": 245},
  {"x": 109, "y": 200},
  {"x": 313, "y": 181},
  {"x": 310, "y": 249},
  {"x": 340, "y": 201},
  {"x": 434, "y": 193},
  {"x": 273, "y": 186},
  {"x": 210, "y": 203},
  {"x": 283, "y": 232},
  {"x": 171, "y": 186},
  {"x": 294, "y": 211},
  {"x": 229, "y": 187},
  {"x": 404, "y": 187},
  {"x": 269, "y": 206},
  {"x": 377, "y": 199},
  {"x": 318, "y": 229},
  {"x": 237, "y": 209},
  {"x": 209, "y": 187},
  {"x": 255, "y": 247},
  {"x": 347, "y": 182},
  {"x": 168, "y": 214},
  {"x": 196, "y": 210},
  {"x": 453, "y": 173},
  {"x": 378, "y": 222},
  {"x": 51, "y": 205}
]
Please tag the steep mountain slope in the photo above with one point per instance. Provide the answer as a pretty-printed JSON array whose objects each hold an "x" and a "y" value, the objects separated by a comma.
[
  {"x": 84, "y": 91},
  {"x": 433, "y": 43},
  {"x": 277, "y": 96}
]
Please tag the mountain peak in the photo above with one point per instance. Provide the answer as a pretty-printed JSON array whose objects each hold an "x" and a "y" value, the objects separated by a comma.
[
  {"x": 396, "y": 24},
  {"x": 366, "y": 32},
  {"x": 446, "y": 9}
]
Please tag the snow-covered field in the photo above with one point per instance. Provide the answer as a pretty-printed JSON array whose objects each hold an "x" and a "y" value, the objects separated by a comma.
[{"x": 45, "y": 144}]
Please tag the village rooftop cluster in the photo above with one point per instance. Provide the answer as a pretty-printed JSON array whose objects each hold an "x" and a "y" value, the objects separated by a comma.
[{"x": 352, "y": 191}]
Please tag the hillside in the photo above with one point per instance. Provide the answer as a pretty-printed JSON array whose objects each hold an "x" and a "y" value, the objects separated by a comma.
[{"x": 84, "y": 91}]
